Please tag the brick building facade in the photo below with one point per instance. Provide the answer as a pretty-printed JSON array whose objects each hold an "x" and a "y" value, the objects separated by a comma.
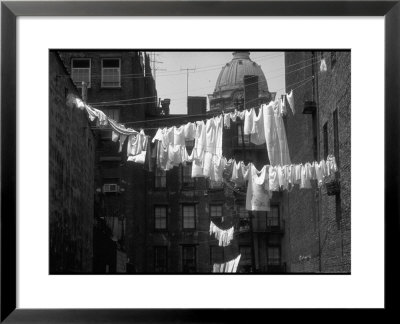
[
  {"x": 318, "y": 221},
  {"x": 71, "y": 177}
]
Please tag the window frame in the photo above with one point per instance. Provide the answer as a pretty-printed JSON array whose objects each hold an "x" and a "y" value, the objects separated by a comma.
[
  {"x": 79, "y": 85},
  {"x": 269, "y": 216},
  {"x": 165, "y": 248},
  {"x": 211, "y": 217},
  {"x": 192, "y": 183},
  {"x": 156, "y": 187},
  {"x": 155, "y": 218},
  {"x": 185, "y": 246},
  {"x": 102, "y": 73},
  {"x": 246, "y": 138},
  {"x": 279, "y": 252},
  {"x": 183, "y": 217}
]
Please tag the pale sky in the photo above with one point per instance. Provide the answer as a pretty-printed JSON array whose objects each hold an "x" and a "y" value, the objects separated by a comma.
[{"x": 171, "y": 82}]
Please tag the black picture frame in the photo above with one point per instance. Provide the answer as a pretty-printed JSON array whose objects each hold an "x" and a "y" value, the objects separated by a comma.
[{"x": 10, "y": 10}]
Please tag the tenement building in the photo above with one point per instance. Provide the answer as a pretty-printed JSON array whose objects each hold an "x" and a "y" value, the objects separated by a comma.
[
  {"x": 71, "y": 177},
  {"x": 318, "y": 220}
]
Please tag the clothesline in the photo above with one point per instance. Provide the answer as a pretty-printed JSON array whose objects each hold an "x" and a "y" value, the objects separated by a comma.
[{"x": 231, "y": 108}]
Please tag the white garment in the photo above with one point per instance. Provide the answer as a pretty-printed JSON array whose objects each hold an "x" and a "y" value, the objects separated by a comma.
[
  {"x": 227, "y": 121},
  {"x": 219, "y": 125},
  {"x": 179, "y": 135},
  {"x": 233, "y": 115},
  {"x": 282, "y": 177},
  {"x": 122, "y": 139},
  {"x": 248, "y": 121},
  {"x": 114, "y": 136},
  {"x": 224, "y": 237},
  {"x": 305, "y": 176},
  {"x": 211, "y": 136},
  {"x": 273, "y": 178},
  {"x": 190, "y": 131},
  {"x": 257, "y": 132},
  {"x": 297, "y": 178},
  {"x": 275, "y": 136},
  {"x": 258, "y": 194},
  {"x": 200, "y": 141},
  {"x": 319, "y": 174},
  {"x": 237, "y": 173},
  {"x": 290, "y": 100},
  {"x": 322, "y": 67},
  {"x": 240, "y": 114},
  {"x": 137, "y": 147}
]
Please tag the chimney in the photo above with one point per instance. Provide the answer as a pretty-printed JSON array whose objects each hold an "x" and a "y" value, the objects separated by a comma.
[
  {"x": 197, "y": 105},
  {"x": 165, "y": 106}
]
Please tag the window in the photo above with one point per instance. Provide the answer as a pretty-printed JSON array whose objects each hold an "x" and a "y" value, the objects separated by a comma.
[
  {"x": 160, "y": 217},
  {"x": 216, "y": 254},
  {"x": 273, "y": 216},
  {"x": 189, "y": 258},
  {"x": 274, "y": 255},
  {"x": 325, "y": 133},
  {"x": 245, "y": 258},
  {"x": 189, "y": 216},
  {"x": 160, "y": 178},
  {"x": 216, "y": 212},
  {"x": 333, "y": 59},
  {"x": 244, "y": 220},
  {"x": 336, "y": 135},
  {"x": 160, "y": 259},
  {"x": 187, "y": 180},
  {"x": 241, "y": 136},
  {"x": 112, "y": 113},
  {"x": 110, "y": 73},
  {"x": 80, "y": 71}
]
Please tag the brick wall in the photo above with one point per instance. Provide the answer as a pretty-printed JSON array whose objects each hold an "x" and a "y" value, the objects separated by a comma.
[
  {"x": 71, "y": 177},
  {"x": 317, "y": 237}
]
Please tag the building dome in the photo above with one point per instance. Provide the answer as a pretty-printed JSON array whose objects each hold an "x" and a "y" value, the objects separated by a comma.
[
  {"x": 231, "y": 76},
  {"x": 230, "y": 82}
]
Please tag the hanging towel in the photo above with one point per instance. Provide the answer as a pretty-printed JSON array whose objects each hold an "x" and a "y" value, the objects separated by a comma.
[{"x": 290, "y": 100}]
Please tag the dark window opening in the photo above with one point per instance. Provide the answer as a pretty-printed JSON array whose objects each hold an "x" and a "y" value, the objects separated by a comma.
[
  {"x": 160, "y": 259},
  {"x": 325, "y": 134},
  {"x": 160, "y": 217},
  {"x": 189, "y": 216},
  {"x": 189, "y": 259}
]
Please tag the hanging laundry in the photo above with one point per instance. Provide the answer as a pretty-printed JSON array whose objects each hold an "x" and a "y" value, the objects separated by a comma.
[
  {"x": 331, "y": 164},
  {"x": 122, "y": 139},
  {"x": 322, "y": 67},
  {"x": 305, "y": 176},
  {"x": 290, "y": 100},
  {"x": 224, "y": 237},
  {"x": 283, "y": 106},
  {"x": 114, "y": 136},
  {"x": 273, "y": 178},
  {"x": 237, "y": 173},
  {"x": 190, "y": 131},
  {"x": 275, "y": 135},
  {"x": 137, "y": 147},
  {"x": 227, "y": 121},
  {"x": 120, "y": 129},
  {"x": 227, "y": 267},
  {"x": 248, "y": 121},
  {"x": 257, "y": 131},
  {"x": 233, "y": 115},
  {"x": 282, "y": 177},
  {"x": 258, "y": 193}
]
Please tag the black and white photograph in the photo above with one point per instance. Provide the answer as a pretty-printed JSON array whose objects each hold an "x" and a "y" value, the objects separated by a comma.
[{"x": 233, "y": 161}]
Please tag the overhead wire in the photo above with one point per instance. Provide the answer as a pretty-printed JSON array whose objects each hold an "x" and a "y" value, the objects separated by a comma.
[
  {"x": 272, "y": 77},
  {"x": 209, "y": 112}
]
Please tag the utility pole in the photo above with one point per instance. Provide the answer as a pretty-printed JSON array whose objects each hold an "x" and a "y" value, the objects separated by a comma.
[
  {"x": 154, "y": 65},
  {"x": 187, "y": 82}
]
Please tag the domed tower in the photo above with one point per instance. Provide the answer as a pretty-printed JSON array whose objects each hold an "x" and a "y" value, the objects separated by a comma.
[{"x": 230, "y": 83}]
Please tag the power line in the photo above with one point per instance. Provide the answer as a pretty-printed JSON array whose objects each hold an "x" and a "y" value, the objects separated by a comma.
[
  {"x": 300, "y": 83},
  {"x": 124, "y": 100}
]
